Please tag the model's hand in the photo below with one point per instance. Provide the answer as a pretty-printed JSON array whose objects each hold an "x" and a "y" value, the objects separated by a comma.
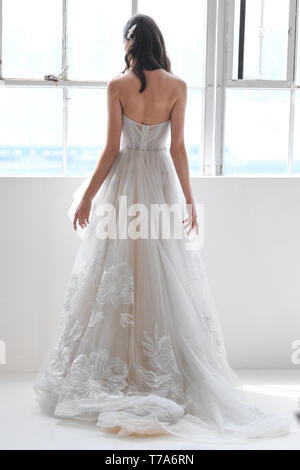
[
  {"x": 191, "y": 221},
  {"x": 82, "y": 213}
]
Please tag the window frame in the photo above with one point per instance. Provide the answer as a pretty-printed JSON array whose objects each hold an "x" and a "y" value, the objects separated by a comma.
[
  {"x": 289, "y": 83},
  {"x": 218, "y": 69},
  {"x": 65, "y": 83}
]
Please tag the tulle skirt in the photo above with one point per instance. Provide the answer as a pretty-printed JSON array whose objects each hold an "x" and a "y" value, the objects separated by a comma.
[{"x": 139, "y": 347}]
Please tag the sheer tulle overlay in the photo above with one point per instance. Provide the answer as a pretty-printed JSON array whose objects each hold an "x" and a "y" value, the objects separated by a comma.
[{"x": 139, "y": 347}]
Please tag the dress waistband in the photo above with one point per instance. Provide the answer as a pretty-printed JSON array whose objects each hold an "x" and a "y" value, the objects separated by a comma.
[{"x": 148, "y": 150}]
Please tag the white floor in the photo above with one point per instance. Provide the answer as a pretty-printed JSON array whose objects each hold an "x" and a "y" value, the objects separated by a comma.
[{"x": 22, "y": 426}]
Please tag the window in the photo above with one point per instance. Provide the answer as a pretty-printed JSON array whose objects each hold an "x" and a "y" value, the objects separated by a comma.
[
  {"x": 31, "y": 38},
  {"x": 59, "y": 128},
  {"x": 261, "y": 90},
  {"x": 31, "y": 126},
  {"x": 185, "y": 42},
  {"x": 239, "y": 58}
]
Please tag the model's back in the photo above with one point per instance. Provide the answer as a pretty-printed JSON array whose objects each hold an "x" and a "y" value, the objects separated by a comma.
[{"x": 155, "y": 103}]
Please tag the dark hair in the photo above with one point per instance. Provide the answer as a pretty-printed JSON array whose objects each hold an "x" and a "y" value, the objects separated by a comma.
[{"x": 148, "y": 51}]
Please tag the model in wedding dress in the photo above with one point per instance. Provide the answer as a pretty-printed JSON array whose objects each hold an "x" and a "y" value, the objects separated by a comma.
[{"x": 140, "y": 348}]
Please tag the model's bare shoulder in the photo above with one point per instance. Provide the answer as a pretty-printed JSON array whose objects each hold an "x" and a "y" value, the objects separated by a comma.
[
  {"x": 121, "y": 81},
  {"x": 177, "y": 84},
  {"x": 180, "y": 83},
  {"x": 173, "y": 77},
  {"x": 179, "y": 90},
  {"x": 114, "y": 85}
]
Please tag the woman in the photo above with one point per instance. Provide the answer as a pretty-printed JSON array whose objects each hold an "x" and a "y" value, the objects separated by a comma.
[{"x": 140, "y": 349}]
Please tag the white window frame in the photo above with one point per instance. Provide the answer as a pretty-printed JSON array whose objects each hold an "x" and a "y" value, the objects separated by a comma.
[
  {"x": 214, "y": 102},
  {"x": 289, "y": 83},
  {"x": 218, "y": 69},
  {"x": 64, "y": 83}
]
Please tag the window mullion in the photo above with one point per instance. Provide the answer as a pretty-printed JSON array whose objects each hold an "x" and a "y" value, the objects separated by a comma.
[
  {"x": 220, "y": 88},
  {"x": 291, "y": 56},
  {"x": 210, "y": 89},
  {"x": 65, "y": 89},
  {"x": 214, "y": 87},
  {"x": 253, "y": 83},
  {"x": 65, "y": 130},
  {"x": 230, "y": 9},
  {"x": 59, "y": 84},
  {"x": 261, "y": 36},
  {"x": 134, "y": 7},
  {"x": 64, "y": 61},
  {"x": 292, "y": 76},
  {"x": 291, "y": 130}
]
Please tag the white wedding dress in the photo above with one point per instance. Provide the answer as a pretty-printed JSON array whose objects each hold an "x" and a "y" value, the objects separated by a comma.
[{"x": 139, "y": 347}]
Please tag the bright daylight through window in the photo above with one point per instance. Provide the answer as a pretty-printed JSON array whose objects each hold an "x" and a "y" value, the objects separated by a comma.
[{"x": 238, "y": 58}]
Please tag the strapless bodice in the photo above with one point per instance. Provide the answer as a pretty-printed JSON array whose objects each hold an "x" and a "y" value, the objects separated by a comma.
[{"x": 140, "y": 136}]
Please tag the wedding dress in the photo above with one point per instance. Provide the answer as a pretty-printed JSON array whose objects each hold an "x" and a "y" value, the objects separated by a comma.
[{"x": 139, "y": 348}]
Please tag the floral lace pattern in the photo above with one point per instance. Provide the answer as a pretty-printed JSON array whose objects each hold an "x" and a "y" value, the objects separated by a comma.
[
  {"x": 153, "y": 380},
  {"x": 160, "y": 350},
  {"x": 211, "y": 329},
  {"x": 96, "y": 317},
  {"x": 73, "y": 286},
  {"x": 63, "y": 351},
  {"x": 117, "y": 286},
  {"x": 94, "y": 375},
  {"x": 98, "y": 373},
  {"x": 95, "y": 268},
  {"x": 163, "y": 375},
  {"x": 126, "y": 319}
]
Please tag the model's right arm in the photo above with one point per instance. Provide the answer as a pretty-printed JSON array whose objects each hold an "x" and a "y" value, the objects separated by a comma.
[{"x": 109, "y": 153}]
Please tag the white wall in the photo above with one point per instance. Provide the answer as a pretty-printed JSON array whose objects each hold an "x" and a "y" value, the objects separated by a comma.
[{"x": 251, "y": 252}]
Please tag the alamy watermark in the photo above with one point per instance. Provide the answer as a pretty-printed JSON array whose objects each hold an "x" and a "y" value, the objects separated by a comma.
[
  {"x": 295, "y": 357},
  {"x": 2, "y": 352},
  {"x": 150, "y": 221}
]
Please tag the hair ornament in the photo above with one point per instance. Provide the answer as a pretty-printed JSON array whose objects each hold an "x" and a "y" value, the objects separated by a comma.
[{"x": 130, "y": 31}]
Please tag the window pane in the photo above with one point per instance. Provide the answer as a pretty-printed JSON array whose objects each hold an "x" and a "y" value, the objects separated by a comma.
[
  {"x": 87, "y": 129},
  {"x": 298, "y": 53},
  {"x": 183, "y": 26},
  {"x": 256, "y": 131},
  {"x": 96, "y": 50},
  {"x": 296, "y": 162},
  {"x": 32, "y": 36},
  {"x": 265, "y": 39},
  {"x": 30, "y": 131},
  {"x": 194, "y": 131}
]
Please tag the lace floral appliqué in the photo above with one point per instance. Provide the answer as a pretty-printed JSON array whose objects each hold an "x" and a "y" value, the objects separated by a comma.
[
  {"x": 63, "y": 351},
  {"x": 163, "y": 375},
  {"x": 126, "y": 319},
  {"x": 96, "y": 317},
  {"x": 74, "y": 283},
  {"x": 98, "y": 373},
  {"x": 212, "y": 330},
  {"x": 117, "y": 286},
  {"x": 160, "y": 350}
]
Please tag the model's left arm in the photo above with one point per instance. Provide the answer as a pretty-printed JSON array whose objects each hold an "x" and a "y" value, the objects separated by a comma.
[{"x": 111, "y": 149}]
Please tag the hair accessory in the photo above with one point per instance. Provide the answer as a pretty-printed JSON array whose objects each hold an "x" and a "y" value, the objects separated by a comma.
[{"x": 130, "y": 31}]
